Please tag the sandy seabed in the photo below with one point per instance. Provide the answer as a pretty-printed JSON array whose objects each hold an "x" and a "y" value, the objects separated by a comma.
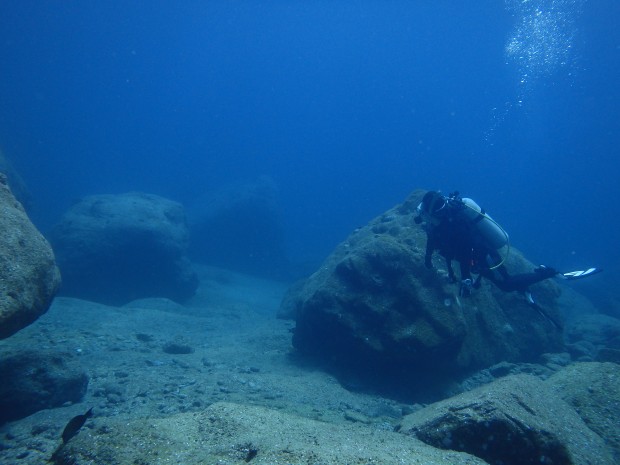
[{"x": 154, "y": 358}]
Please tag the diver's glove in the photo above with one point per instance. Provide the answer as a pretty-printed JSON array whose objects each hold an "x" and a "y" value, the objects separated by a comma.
[{"x": 466, "y": 288}]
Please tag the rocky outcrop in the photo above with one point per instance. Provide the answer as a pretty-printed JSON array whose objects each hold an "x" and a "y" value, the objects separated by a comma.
[
  {"x": 29, "y": 277},
  {"x": 32, "y": 381},
  {"x": 516, "y": 420},
  {"x": 117, "y": 248},
  {"x": 373, "y": 306},
  {"x": 288, "y": 304},
  {"x": 231, "y": 434},
  {"x": 240, "y": 228},
  {"x": 593, "y": 390},
  {"x": 597, "y": 330},
  {"x": 15, "y": 181}
]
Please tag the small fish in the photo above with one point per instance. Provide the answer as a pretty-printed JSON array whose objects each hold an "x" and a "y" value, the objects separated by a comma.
[{"x": 74, "y": 425}]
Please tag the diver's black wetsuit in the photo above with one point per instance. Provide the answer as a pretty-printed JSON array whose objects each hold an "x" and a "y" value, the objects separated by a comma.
[
  {"x": 500, "y": 277},
  {"x": 455, "y": 237}
]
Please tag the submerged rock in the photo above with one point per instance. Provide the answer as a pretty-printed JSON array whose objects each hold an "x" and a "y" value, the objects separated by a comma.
[
  {"x": 231, "y": 434},
  {"x": 29, "y": 277},
  {"x": 32, "y": 381},
  {"x": 240, "y": 228},
  {"x": 602, "y": 331},
  {"x": 373, "y": 306},
  {"x": 516, "y": 420},
  {"x": 177, "y": 348},
  {"x": 117, "y": 248},
  {"x": 593, "y": 390},
  {"x": 15, "y": 181}
]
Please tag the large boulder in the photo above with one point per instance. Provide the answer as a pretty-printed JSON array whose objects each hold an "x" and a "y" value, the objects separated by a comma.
[
  {"x": 16, "y": 182},
  {"x": 36, "y": 380},
  {"x": 600, "y": 330},
  {"x": 373, "y": 305},
  {"x": 240, "y": 228},
  {"x": 517, "y": 420},
  {"x": 231, "y": 434},
  {"x": 593, "y": 390},
  {"x": 29, "y": 277},
  {"x": 117, "y": 248}
]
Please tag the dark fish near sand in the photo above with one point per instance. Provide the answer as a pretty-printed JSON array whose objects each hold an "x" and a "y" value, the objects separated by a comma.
[{"x": 74, "y": 425}]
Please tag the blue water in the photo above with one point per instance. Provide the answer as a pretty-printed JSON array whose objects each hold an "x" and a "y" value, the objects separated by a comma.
[{"x": 347, "y": 105}]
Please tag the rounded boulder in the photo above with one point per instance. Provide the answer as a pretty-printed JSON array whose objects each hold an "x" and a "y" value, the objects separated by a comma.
[{"x": 117, "y": 248}]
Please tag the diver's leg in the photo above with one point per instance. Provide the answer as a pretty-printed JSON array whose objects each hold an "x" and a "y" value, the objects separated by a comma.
[{"x": 520, "y": 282}]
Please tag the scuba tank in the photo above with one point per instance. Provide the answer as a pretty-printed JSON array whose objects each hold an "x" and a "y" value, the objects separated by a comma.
[
  {"x": 435, "y": 205},
  {"x": 490, "y": 231}
]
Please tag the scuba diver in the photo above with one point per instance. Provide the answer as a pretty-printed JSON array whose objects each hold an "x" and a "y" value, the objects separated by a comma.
[{"x": 460, "y": 230}]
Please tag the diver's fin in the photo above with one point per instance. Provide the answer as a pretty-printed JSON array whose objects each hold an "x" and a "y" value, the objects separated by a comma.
[
  {"x": 530, "y": 299},
  {"x": 579, "y": 273},
  {"x": 554, "y": 322}
]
